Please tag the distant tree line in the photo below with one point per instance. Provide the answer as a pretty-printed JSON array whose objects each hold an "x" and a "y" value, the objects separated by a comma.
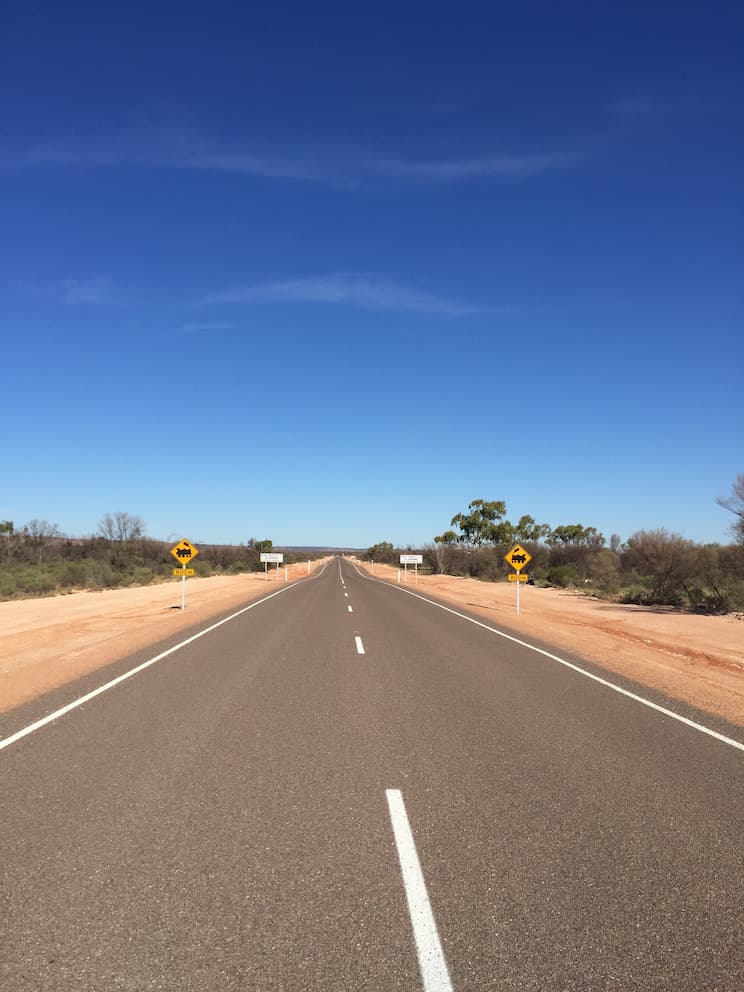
[
  {"x": 37, "y": 559},
  {"x": 652, "y": 567}
]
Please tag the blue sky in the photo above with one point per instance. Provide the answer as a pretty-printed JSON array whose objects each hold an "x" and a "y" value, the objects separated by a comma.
[{"x": 326, "y": 275}]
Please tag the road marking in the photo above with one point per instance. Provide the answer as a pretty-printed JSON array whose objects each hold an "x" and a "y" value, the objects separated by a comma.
[
  {"x": 63, "y": 710},
  {"x": 359, "y": 645},
  {"x": 569, "y": 664},
  {"x": 432, "y": 965},
  {"x": 349, "y": 608},
  {"x": 346, "y": 594}
]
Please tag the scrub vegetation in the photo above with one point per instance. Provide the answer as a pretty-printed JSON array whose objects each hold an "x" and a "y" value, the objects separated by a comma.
[
  {"x": 37, "y": 560},
  {"x": 650, "y": 568}
]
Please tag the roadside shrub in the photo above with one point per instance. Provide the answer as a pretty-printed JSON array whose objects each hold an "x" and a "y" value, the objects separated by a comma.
[
  {"x": 36, "y": 583},
  {"x": 141, "y": 576},
  {"x": 562, "y": 576},
  {"x": 635, "y": 595},
  {"x": 74, "y": 574},
  {"x": 100, "y": 575},
  {"x": 487, "y": 565},
  {"x": 8, "y": 586},
  {"x": 604, "y": 571}
]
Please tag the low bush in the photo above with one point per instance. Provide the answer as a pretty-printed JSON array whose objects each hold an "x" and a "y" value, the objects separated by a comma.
[
  {"x": 562, "y": 576},
  {"x": 74, "y": 575},
  {"x": 8, "y": 586}
]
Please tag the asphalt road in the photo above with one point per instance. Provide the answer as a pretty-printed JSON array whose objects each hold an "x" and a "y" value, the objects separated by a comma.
[{"x": 234, "y": 817}]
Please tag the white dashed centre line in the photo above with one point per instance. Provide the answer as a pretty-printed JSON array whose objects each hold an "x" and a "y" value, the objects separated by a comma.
[
  {"x": 346, "y": 594},
  {"x": 433, "y": 967},
  {"x": 349, "y": 608},
  {"x": 359, "y": 645}
]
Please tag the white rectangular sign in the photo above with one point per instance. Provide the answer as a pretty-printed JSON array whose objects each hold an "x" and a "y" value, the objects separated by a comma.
[
  {"x": 411, "y": 559},
  {"x": 272, "y": 556}
]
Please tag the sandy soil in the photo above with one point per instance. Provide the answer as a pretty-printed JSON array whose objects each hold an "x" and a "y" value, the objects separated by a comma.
[
  {"x": 697, "y": 659},
  {"x": 45, "y": 643}
]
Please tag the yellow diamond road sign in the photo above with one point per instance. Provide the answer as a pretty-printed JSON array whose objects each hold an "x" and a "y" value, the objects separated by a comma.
[
  {"x": 518, "y": 557},
  {"x": 184, "y": 551}
]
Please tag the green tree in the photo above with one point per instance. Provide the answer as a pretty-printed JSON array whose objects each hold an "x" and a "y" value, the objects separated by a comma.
[
  {"x": 7, "y": 539},
  {"x": 483, "y": 525},
  {"x": 449, "y": 537},
  {"x": 527, "y": 529},
  {"x": 382, "y": 551},
  {"x": 576, "y": 535},
  {"x": 262, "y": 547}
]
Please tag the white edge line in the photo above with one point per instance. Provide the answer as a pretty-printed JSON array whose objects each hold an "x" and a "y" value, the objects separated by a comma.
[
  {"x": 433, "y": 967},
  {"x": 576, "y": 668},
  {"x": 359, "y": 645},
  {"x": 38, "y": 724}
]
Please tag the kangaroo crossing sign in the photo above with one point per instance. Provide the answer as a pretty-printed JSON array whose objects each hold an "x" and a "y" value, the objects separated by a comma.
[
  {"x": 518, "y": 557},
  {"x": 184, "y": 551}
]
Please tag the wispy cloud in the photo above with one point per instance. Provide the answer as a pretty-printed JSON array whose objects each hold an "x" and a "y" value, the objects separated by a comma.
[
  {"x": 354, "y": 291},
  {"x": 97, "y": 291},
  {"x": 205, "y": 327},
  {"x": 333, "y": 165},
  {"x": 454, "y": 169}
]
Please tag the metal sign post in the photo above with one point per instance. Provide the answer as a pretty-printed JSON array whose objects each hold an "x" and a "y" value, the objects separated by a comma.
[{"x": 517, "y": 558}]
